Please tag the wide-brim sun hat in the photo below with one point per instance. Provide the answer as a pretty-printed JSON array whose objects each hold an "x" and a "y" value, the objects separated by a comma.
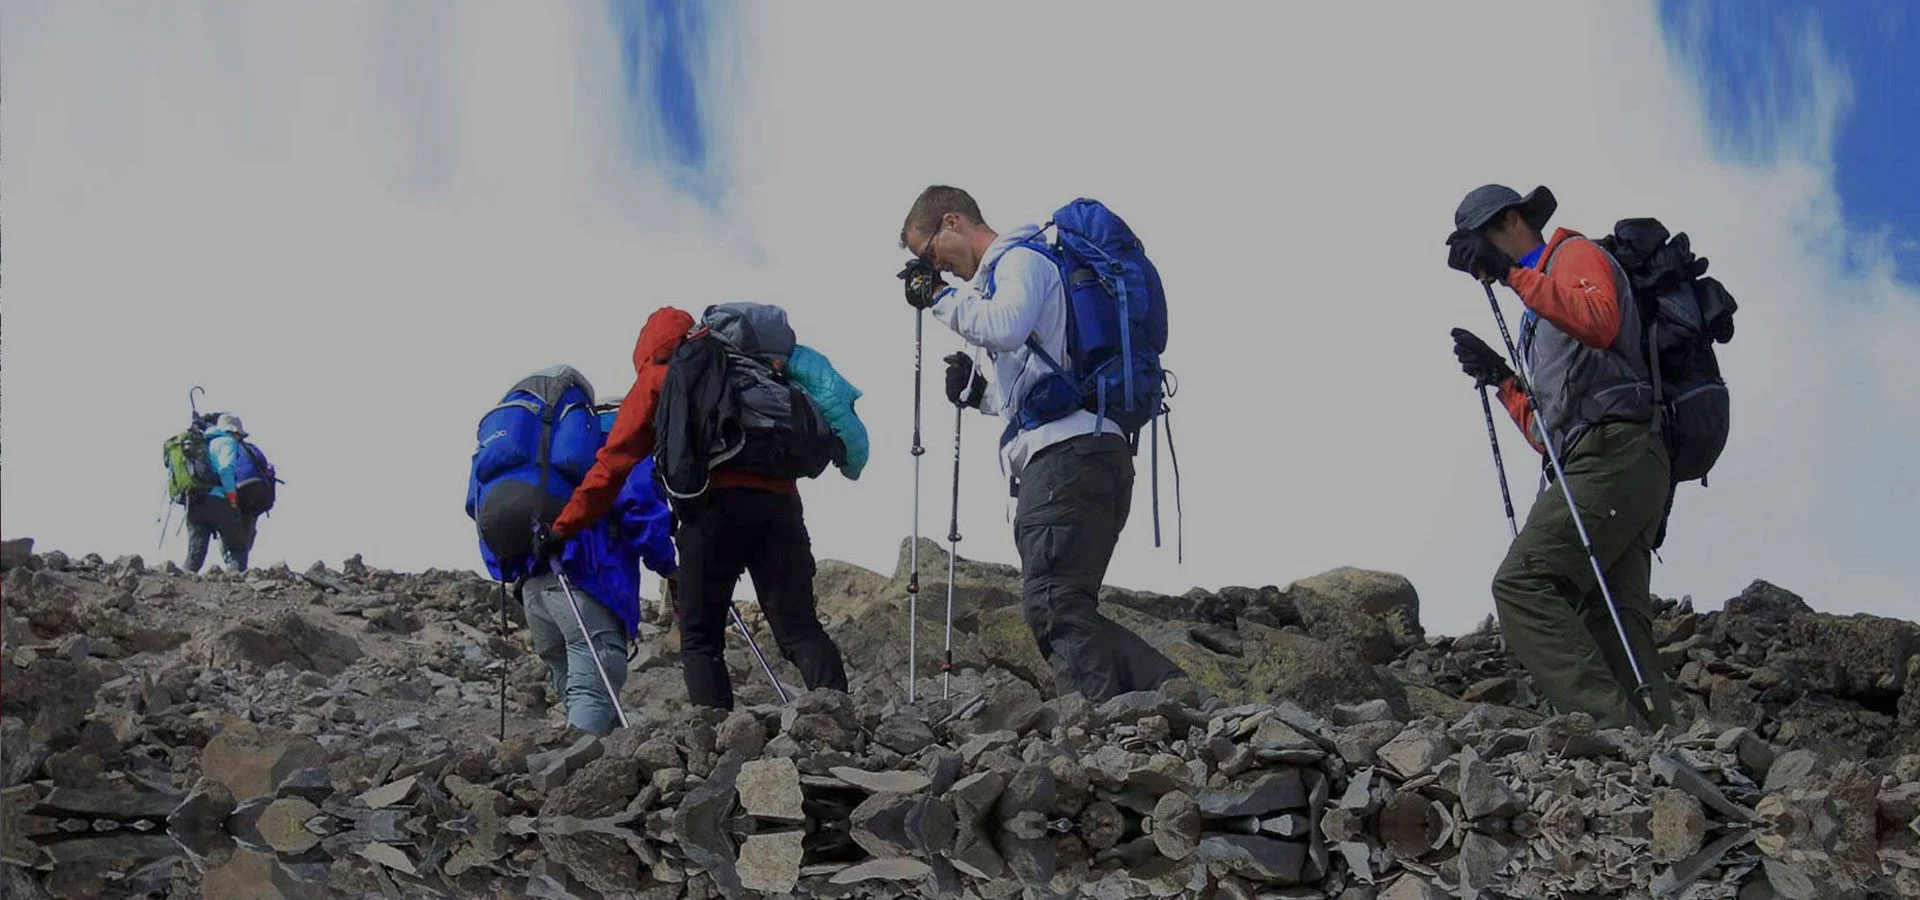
[{"x": 1484, "y": 203}]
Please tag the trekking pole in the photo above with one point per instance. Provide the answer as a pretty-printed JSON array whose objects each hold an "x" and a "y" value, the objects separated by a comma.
[
  {"x": 166, "y": 518},
  {"x": 503, "y": 663},
  {"x": 953, "y": 543},
  {"x": 913, "y": 553},
  {"x": 582, "y": 622},
  {"x": 1641, "y": 690},
  {"x": 1499, "y": 467},
  {"x": 754, "y": 645}
]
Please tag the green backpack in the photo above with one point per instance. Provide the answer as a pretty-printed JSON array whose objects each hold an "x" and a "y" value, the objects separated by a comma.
[{"x": 189, "y": 469}]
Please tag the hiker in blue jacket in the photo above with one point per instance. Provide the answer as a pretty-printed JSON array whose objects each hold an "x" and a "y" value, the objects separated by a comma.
[
  {"x": 218, "y": 511},
  {"x": 602, "y": 563}
]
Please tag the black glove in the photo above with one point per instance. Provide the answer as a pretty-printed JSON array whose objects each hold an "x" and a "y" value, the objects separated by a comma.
[
  {"x": 965, "y": 386},
  {"x": 1472, "y": 253},
  {"x": 1481, "y": 362},
  {"x": 922, "y": 283},
  {"x": 546, "y": 544}
]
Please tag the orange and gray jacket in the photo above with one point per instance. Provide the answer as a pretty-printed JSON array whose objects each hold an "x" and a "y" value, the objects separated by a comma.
[{"x": 1582, "y": 346}]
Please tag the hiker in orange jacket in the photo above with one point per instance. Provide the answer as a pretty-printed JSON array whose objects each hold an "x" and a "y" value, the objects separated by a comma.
[{"x": 1581, "y": 342}]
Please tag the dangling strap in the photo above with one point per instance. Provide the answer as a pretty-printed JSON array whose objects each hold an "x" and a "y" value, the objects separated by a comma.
[
  {"x": 1179, "y": 515},
  {"x": 1155, "y": 464}
]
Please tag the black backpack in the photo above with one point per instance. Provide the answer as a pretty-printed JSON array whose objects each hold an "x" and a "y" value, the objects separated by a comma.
[
  {"x": 1685, "y": 313},
  {"x": 726, "y": 405}
]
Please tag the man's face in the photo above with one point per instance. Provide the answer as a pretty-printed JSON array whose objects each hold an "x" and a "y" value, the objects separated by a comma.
[
  {"x": 1510, "y": 233},
  {"x": 947, "y": 248}
]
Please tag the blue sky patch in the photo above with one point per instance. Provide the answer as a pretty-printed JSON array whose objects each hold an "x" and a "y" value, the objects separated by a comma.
[
  {"x": 664, "y": 54},
  {"x": 1751, "y": 61}
]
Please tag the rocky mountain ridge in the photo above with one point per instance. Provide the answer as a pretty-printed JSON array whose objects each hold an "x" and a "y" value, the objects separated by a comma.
[{"x": 333, "y": 732}]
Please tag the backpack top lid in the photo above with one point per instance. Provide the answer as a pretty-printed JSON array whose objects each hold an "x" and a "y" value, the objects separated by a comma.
[
  {"x": 1086, "y": 221},
  {"x": 756, "y": 329},
  {"x": 551, "y": 383}
]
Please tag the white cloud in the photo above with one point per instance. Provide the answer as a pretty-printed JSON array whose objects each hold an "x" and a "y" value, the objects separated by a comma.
[{"x": 183, "y": 208}]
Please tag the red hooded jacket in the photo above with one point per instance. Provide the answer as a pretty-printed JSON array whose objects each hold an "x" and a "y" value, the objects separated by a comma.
[{"x": 632, "y": 439}]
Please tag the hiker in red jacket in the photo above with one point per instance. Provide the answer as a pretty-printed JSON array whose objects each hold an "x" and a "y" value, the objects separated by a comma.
[{"x": 748, "y": 523}]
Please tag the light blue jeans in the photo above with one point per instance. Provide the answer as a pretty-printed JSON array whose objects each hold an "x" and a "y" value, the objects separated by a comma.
[{"x": 570, "y": 669}]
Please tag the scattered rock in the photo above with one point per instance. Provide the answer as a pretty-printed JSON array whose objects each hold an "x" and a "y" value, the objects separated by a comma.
[
  {"x": 770, "y": 789},
  {"x": 252, "y": 760},
  {"x": 1678, "y": 826}
]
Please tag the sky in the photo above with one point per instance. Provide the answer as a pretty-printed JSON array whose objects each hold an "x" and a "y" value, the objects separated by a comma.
[{"x": 356, "y": 224}]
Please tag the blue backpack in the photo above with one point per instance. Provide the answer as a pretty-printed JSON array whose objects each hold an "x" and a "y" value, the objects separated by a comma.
[
  {"x": 534, "y": 447},
  {"x": 1116, "y": 331},
  {"x": 255, "y": 480}
]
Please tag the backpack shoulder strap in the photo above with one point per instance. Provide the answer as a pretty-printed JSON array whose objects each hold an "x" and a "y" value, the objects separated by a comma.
[{"x": 1032, "y": 242}]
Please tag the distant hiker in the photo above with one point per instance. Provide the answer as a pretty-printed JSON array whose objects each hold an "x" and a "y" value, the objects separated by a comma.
[
  {"x": 1581, "y": 340},
  {"x": 241, "y": 491},
  {"x": 534, "y": 447},
  {"x": 1073, "y": 466},
  {"x": 731, "y": 435}
]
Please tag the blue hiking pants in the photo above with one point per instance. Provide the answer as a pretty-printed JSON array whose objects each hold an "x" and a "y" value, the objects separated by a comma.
[{"x": 570, "y": 669}]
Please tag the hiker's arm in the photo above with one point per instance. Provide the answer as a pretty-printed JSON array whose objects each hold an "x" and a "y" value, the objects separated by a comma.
[
  {"x": 1515, "y": 400},
  {"x": 1023, "y": 283},
  {"x": 651, "y": 519},
  {"x": 630, "y": 442},
  {"x": 1578, "y": 297}
]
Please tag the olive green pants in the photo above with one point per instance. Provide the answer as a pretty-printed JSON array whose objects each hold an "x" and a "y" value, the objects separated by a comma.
[{"x": 1554, "y": 617}]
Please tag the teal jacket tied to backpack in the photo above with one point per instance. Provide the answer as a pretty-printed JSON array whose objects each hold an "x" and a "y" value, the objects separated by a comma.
[
  {"x": 811, "y": 370},
  {"x": 223, "y": 449}
]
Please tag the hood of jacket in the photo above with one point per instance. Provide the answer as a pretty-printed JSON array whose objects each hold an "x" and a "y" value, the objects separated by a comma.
[{"x": 664, "y": 331}]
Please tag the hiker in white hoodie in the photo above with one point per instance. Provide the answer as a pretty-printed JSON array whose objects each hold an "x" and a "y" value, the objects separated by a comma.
[{"x": 1073, "y": 476}]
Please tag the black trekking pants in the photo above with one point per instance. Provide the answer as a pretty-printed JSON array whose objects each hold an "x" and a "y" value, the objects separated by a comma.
[
  {"x": 211, "y": 514},
  {"x": 1074, "y": 499},
  {"x": 762, "y": 533}
]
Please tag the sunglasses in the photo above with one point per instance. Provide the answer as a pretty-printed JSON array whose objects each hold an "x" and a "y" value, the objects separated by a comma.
[{"x": 926, "y": 251}]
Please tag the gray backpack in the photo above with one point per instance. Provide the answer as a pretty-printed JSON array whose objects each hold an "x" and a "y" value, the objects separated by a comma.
[{"x": 727, "y": 405}]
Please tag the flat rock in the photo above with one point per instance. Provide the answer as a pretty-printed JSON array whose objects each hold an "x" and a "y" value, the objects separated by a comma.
[
  {"x": 389, "y": 794},
  {"x": 283, "y": 825},
  {"x": 1794, "y": 768},
  {"x": 881, "y": 782},
  {"x": 879, "y": 825},
  {"x": 904, "y": 734},
  {"x": 390, "y": 856},
  {"x": 770, "y": 789},
  {"x": 1415, "y": 751},
  {"x": 1261, "y": 858},
  {"x": 601, "y": 788},
  {"x": 770, "y": 863},
  {"x": 1482, "y": 794},
  {"x": 106, "y": 804},
  {"x": 252, "y": 760},
  {"x": 203, "y": 811},
  {"x": 974, "y": 796},
  {"x": 895, "y": 869},
  {"x": 552, "y": 768},
  {"x": 1271, "y": 793},
  {"x": 1678, "y": 825}
]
